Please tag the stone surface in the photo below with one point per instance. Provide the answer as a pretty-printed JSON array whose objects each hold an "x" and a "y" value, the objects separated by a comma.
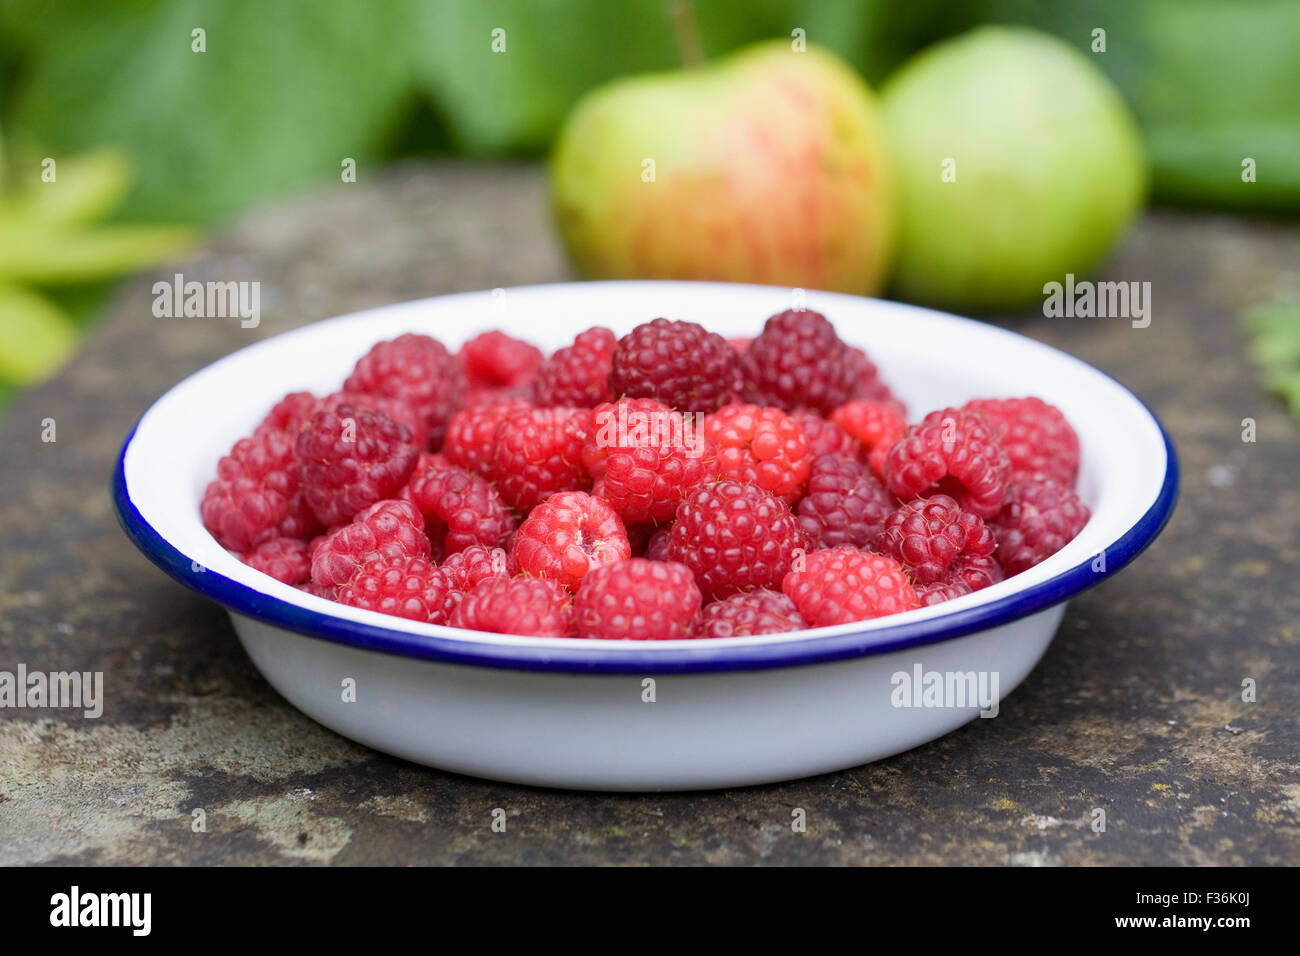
[{"x": 1136, "y": 708}]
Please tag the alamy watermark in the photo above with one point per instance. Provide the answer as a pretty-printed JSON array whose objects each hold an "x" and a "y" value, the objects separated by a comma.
[
  {"x": 1101, "y": 300},
  {"x": 208, "y": 300},
  {"x": 946, "y": 689},
  {"x": 79, "y": 690}
]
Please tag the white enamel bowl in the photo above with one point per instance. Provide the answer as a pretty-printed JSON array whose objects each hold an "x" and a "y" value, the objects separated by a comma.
[{"x": 572, "y": 713}]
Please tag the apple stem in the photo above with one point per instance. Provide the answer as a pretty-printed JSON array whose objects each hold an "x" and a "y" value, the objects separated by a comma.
[{"x": 687, "y": 34}]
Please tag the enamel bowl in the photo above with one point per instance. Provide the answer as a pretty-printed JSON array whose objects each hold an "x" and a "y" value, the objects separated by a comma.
[{"x": 663, "y": 715}]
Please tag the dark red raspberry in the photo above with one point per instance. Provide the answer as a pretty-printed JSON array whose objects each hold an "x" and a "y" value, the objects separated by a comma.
[
  {"x": 637, "y": 600},
  {"x": 568, "y": 535},
  {"x": 538, "y": 452},
  {"x": 496, "y": 360},
  {"x": 761, "y": 446},
  {"x": 388, "y": 529},
  {"x": 417, "y": 369},
  {"x": 533, "y": 607},
  {"x": 472, "y": 432},
  {"x": 681, "y": 364},
  {"x": 1038, "y": 519},
  {"x": 734, "y": 537},
  {"x": 1039, "y": 442},
  {"x": 257, "y": 494},
  {"x": 876, "y": 425},
  {"x": 867, "y": 386},
  {"x": 951, "y": 452},
  {"x": 846, "y": 505},
  {"x": 578, "y": 375},
  {"x": 467, "y": 568},
  {"x": 285, "y": 559},
  {"x": 656, "y": 549},
  {"x": 398, "y": 409},
  {"x": 460, "y": 508},
  {"x": 352, "y": 458},
  {"x": 825, "y": 437},
  {"x": 408, "y": 587},
  {"x": 798, "y": 361},
  {"x": 760, "y": 611},
  {"x": 939, "y": 543},
  {"x": 842, "y": 585}
]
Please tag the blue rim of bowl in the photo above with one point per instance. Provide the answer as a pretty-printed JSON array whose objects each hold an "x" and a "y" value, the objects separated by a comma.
[{"x": 698, "y": 657}]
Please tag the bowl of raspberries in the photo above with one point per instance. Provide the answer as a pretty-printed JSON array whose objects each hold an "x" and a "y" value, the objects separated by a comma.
[{"x": 645, "y": 535}]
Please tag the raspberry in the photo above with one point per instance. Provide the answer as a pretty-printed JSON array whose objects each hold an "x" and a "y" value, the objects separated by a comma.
[
  {"x": 388, "y": 529},
  {"x": 1039, "y": 518},
  {"x": 398, "y": 409},
  {"x": 627, "y": 422},
  {"x": 761, "y": 611},
  {"x": 461, "y": 508},
  {"x": 408, "y": 587},
  {"x": 637, "y": 600},
  {"x": 940, "y": 544},
  {"x": 681, "y": 364},
  {"x": 1039, "y": 442},
  {"x": 656, "y": 549},
  {"x": 466, "y": 568},
  {"x": 798, "y": 361},
  {"x": 845, "y": 506},
  {"x": 734, "y": 537},
  {"x": 867, "y": 386},
  {"x": 257, "y": 494},
  {"x": 419, "y": 370},
  {"x": 578, "y": 375},
  {"x": 533, "y": 607},
  {"x": 843, "y": 585},
  {"x": 876, "y": 425},
  {"x": 762, "y": 446},
  {"x": 472, "y": 431},
  {"x": 494, "y": 359},
  {"x": 953, "y": 452},
  {"x": 823, "y": 436},
  {"x": 291, "y": 411},
  {"x": 538, "y": 452},
  {"x": 284, "y": 559},
  {"x": 740, "y": 344},
  {"x": 568, "y": 535},
  {"x": 937, "y": 593},
  {"x": 350, "y": 459}
]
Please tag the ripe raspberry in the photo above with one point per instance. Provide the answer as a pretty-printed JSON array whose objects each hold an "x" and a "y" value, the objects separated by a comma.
[
  {"x": 762, "y": 446},
  {"x": 937, "y": 593},
  {"x": 876, "y": 425},
  {"x": 291, "y": 411},
  {"x": 824, "y": 436},
  {"x": 419, "y": 370},
  {"x": 760, "y": 611},
  {"x": 741, "y": 344},
  {"x": 388, "y": 529},
  {"x": 351, "y": 459},
  {"x": 578, "y": 375},
  {"x": 1039, "y": 442},
  {"x": 533, "y": 607},
  {"x": 681, "y": 364},
  {"x": 496, "y": 360},
  {"x": 408, "y": 587},
  {"x": 568, "y": 535},
  {"x": 467, "y": 568},
  {"x": 284, "y": 559},
  {"x": 628, "y": 422},
  {"x": 460, "y": 508},
  {"x": 538, "y": 452},
  {"x": 845, "y": 506},
  {"x": 953, "y": 452},
  {"x": 734, "y": 537},
  {"x": 798, "y": 362},
  {"x": 656, "y": 549},
  {"x": 1039, "y": 518},
  {"x": 398, "y": 409},
  {"x": 940, "y": 544},
  {"x": 472, "y": 432},
  {"x": 637, "y": 600},
  {"x": 257, "y": 494},
  {"x": 867, "y": 386},
  {"x": 843, "y": 585}
]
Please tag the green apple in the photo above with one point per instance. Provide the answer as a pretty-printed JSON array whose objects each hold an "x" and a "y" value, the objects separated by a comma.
[
  {"x": 768, "y": 166},
  {"x": 1016, "y": 161}
]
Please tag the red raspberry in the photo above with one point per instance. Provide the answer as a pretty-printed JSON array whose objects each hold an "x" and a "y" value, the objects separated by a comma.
[
  {"x": 681, "y": 364},
  {"x": 398, "y": 409},
  {"x": 628, "y": 422},
  {"x": 476, "y": 563},
  {"x": 762, "y": 446},
  {"x": 734, "y": 537},
  {"x": 460, "y": 508},
  {"x": 533, "y": 607},
  {"x": 408, "y": 587},
  {"x": 939, "y": 543},
  {"x": 952, "y": 452},
  {"x": 845, "y": 506},
  {"x": 867, "y": 386},
  {"x": 656, "y": 549},
  {"x": 637, "y": 600},
  {"x": 760, "y": 611},
  {"x": 937, "y": 593},
  {"x": 538, "y": 452},
  {"x": 568, "y": 535},
  {"x": 741, "y": 344},
  {"x": 419, "y": 370},
  {"x": 290, "y": 412},
  {"x": 798, "y": 362},
  {"x": 350, "y": 459},
  {"x": 257, "y": 494},
  {"x": 825, "y": 437},
  {"x": 578, "y": 374},
  {"x": 844, "y": 585},
  {"x": 1039, "y": 518},
  {"x": 388, "y": 529},
  {"x": 472, "y": 432},
  {"x": 876, "y": 425},
  {"x": 285, "y": 559},
  {"x": 496, "y": 360},
  {"x": 1039, "y": 442}
]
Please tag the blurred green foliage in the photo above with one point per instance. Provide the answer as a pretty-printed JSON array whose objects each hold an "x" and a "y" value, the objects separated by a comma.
[{"x": 1274, "y": 330}]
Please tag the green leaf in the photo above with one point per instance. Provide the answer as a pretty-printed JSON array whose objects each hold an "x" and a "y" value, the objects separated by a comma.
[
  {"x": 35, "y": 337},
  {"x": 85, "y": 189},
  {"x": 35, "y": 255}
]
